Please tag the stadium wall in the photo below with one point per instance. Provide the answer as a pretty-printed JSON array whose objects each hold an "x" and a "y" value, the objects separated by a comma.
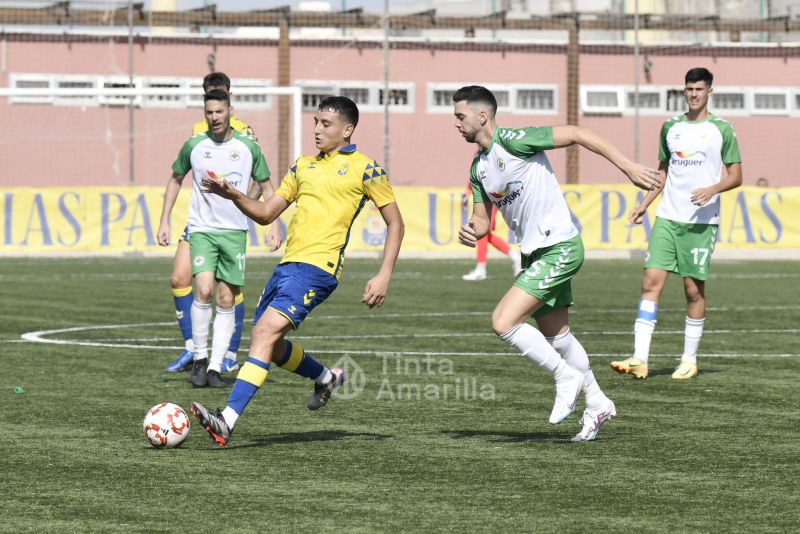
[
  {"x": 51, "y": 145},
  {"x": 114, "y": 220}
]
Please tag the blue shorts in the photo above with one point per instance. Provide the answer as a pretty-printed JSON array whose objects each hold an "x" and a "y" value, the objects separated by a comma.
[
  {"x": 294, "y": 290},
  {"x": 185, "y": 234}
]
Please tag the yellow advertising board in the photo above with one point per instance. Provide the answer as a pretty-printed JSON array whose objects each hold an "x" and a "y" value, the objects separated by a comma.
[{"x": 125, "y": 219}]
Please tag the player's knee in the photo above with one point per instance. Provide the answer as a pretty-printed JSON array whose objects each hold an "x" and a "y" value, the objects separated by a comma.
[
  {"x": 501, "y": 323},
  {"x": 179, "y": 280}
]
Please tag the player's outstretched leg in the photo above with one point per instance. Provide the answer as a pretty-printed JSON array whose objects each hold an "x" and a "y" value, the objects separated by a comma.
[
  {"x": 213, "y": 423},
  {"x": 322, "y": 392},
  {"x": 533, "y": 345},
  {"x": 599, "y": 408}
]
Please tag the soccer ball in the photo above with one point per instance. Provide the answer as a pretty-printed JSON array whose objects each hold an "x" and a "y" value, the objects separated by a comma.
[{"x": 166, "y": 426}]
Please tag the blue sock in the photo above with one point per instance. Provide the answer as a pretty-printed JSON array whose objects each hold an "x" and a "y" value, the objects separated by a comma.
[
  {"x": 236, "y": 338},
  {"x": 183, "y": 305},
  {"x": 253, "y": 373},
  {"x": 298, "y": 361}
]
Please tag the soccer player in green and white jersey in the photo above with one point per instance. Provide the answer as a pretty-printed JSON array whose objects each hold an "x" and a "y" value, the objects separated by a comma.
[
  {"x": 694, "y": 147},
  {"x": 512, "y": 172},
  {"x": 217, "y": 229}
]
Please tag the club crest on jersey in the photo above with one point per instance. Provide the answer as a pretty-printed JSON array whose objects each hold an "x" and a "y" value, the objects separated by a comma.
[
  {"x": 501, "y": 164},
  {"x": 344, "y": 169},
  {"x": 312, "y": 165},
  {"x": 199, "y": 260},
  {"x": 234, "y": 155}
]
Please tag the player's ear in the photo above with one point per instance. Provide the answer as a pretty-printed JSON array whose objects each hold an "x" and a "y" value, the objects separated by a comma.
[{"x": 348, "y": 130}]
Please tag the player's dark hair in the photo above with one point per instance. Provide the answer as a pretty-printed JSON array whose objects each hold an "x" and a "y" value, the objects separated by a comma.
[
  {"x": 215, "y": 80},
  {"x": 217, "y": 94},
  {"x": 476, "y": 94},
  {"x": 699, "y": 74},
  {"x": 342, "y": 106}
]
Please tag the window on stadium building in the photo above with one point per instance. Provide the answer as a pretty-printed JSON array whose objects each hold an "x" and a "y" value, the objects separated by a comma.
[
  {"x": 369, "y": 96},
  {"x": 771, "y": 102},
  {"x": 511, "y": 98},
  {"x": 602, "y": 100}
]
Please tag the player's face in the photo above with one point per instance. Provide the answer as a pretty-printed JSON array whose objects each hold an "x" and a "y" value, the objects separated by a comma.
[
  {"x": 468, "y": 120},
  {"x": 330, "y": 131},
  {"x": 696, "y": 94},
  {"x": 218, "y": 115}
]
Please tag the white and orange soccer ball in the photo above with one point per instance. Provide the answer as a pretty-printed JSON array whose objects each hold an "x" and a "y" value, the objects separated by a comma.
[{"x": 166, "y": 425}]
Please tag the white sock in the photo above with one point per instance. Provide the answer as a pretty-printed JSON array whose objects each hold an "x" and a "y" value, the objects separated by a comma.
[
  {"x": 224, "y": 325},
  {"x": 230, "y": 355},
  {"x": 533, "y": 345},
  {"x": 643, "y": 329},
  {"x": 575, "y": 356},
  {"x": 480, "y": 268},
  {"x": 189, "y": 345},
  {"x": 324, "y": 377},
  {"x": 230, "y": 416},
  {"x": 201, "y": 318},
  {"x": 691, "y": 340}
]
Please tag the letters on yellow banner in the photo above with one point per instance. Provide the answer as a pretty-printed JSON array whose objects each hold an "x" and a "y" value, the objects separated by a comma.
[{"x": 100, "y": 219}]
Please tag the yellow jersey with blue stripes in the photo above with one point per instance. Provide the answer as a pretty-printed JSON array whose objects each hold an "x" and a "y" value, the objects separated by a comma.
[
  {"x": 329, "y": 191},
  {"x": 238, "y": 125}
]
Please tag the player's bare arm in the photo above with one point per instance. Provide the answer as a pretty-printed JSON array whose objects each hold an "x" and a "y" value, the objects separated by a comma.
[
  {"x": 170, "y": 196},
  {"x": 265, "y": 188},
  {"x": 261, "y": 212},
  {"x": 478, "y": 225},
  {"x": 732, "y": 180},
  {"x": 636, "y": 214},
  {"x": 377, "y": 287},
  {"x": 641, "y": 176}
]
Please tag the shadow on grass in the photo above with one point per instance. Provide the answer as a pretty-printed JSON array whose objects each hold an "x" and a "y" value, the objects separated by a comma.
[
  {"x": 667, "y": 371},
  {"x": 305, "y": 437},
  {"x": 510, "y": 437}
]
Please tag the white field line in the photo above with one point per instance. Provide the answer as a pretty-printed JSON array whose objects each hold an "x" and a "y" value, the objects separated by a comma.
[{"x": 39, "y": 337}]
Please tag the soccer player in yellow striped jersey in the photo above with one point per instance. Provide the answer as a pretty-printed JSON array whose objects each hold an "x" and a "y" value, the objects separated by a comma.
[
  {"x": 330, "y": 189},
  {"x": 181, "y": 278}
]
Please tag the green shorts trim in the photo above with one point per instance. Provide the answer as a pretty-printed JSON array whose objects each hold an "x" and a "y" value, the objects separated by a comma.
[
  {"x": 548, "y": 274},
  {"x": 222, "y": 253},
  {"x": 681, "y": 248}
]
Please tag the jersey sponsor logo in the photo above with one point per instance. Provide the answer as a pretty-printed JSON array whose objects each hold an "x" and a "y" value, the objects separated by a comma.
[
  {"x": 688, "y": 159},
  {"x": 511, "y": 192},
  {"x": 232, "y": 177}
]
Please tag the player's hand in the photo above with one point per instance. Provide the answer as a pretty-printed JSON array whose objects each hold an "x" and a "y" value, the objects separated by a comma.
[
  {"x": 467, "y": 236},
  {"x": 636, "y": 214},
  {"x": 375, "y": 291},
  {"x": 218, "y": 186},
  {"x": 274, "y": 236},
  {"x": 700, "y": 197},
  {"x": 644, "y": 177},
  {"x": 163, "y": 234}
]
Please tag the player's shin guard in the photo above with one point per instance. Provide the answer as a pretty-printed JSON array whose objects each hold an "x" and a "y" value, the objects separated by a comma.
[
  {"x": 297, "y": 361},
  {"x": 236, "y": 338},
  {"x": 223, "y": 330},
  {"x": 691, "y": 340},
  {"x": 250, "y": 378},
  {"x": 575, "y": 355},
  {"x": 183, "y": 310},
  {"x": 533, "y": 345},
  {"x": 201, "y": 319},
  {"x": 643, "y": 329}
]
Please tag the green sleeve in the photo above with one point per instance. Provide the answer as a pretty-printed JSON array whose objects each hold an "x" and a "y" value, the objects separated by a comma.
[
  {"x": 183, "y": 163},
  {"x": 478, "y": 193},
  {"x": 260, "y": 168},
  {"x": 525, "y": 142},
  {"x": 663, "y": 147},
  {"x": 730, "y": 145}
]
